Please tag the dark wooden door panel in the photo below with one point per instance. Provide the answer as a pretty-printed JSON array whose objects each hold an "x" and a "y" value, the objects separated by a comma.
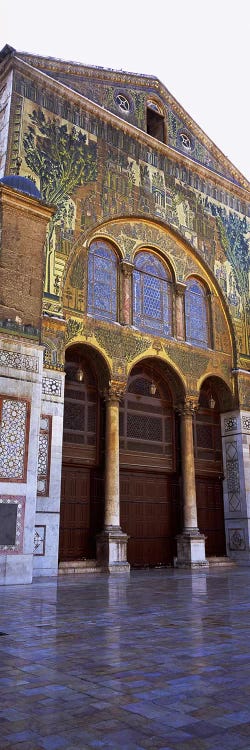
[
  {"x": 75, "y": 513},
  {"x": 209, "y": 493},
  {"x": 150, "y": 516}
]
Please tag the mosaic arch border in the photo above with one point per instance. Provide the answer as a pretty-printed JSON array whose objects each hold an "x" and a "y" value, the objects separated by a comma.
[
  {"x": 86, "y": 342},
  {"x": 220, "y": 377},
  {"x": 178, "y": 384},
  {"x": 100, "y": 231}
]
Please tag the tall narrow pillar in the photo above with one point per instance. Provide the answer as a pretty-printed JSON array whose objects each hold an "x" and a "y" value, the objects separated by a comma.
[
  {"x": 126, "y": 293},
  {"x": 180, "y": 310},
  {"x": 190, "y": 544},
  {"x": 112, "y": 543}
]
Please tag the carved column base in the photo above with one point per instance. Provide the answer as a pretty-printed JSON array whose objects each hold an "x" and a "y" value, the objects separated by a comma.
[
  {"x": 191, "y": 551},
  {"x": 111, "y": 547}
]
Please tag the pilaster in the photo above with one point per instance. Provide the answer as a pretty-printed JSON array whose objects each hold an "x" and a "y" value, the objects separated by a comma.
[
  {"x": 112, "y": 543},
  {"x": 190, "y": 544}
]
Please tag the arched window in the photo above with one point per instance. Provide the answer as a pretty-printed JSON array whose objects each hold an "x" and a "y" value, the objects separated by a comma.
[
  {"x": 102, "y": 281},
  {"x": 152, "y": 295},
  {"x": 197, "y": 314}
]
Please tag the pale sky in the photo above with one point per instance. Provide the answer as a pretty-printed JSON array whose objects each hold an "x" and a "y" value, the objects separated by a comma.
[{"x": 199, "y": 50}]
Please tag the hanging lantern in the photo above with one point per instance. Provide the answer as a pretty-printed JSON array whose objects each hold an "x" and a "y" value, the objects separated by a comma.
[{"x": 79, "y": 374}]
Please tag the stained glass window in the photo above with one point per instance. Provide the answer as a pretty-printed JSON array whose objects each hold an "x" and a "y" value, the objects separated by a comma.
[
  {"x": 152, "y": 295},
  {"x": 196, "y": 311},
  {"x": 102, "y": 281}
]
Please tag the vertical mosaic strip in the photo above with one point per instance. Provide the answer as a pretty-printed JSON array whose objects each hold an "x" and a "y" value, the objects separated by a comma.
[
  {"x": 14, "y": 432},
  {"x": 11, "y": 524},
  {"x": 43, "y": 468},
  {"x": 233, "y": 476},
  {"x": 39, "y": 541}
]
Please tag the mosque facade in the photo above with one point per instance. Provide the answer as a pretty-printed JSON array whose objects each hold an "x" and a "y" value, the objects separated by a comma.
[{"x": 124, "y": 328}]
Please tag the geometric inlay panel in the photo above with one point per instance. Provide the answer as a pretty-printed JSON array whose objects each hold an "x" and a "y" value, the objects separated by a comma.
[
  {"x": 230, "y": 424},
  {"x": 246, "y": 423},
  {"x": 43, "y": 467},
  {"x": 233, "y": 476},
  {"x": 13, "y": 439},
  {"x": 237, "y": 539},
  {"x": 19, "y": 361},
  {"x": 51, "y": 386},
  {"x": 39, "y": 540},
  {"x": 11, "y": 523}
]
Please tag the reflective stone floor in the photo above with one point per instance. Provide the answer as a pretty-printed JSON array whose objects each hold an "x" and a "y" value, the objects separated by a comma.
[{"x": 155, "y": 661}]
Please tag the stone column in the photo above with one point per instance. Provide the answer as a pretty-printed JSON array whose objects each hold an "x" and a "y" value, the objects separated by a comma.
[
  {"x": 180, "y": 311},
  {"x": 190, "y": 544},
  {"x": 126, "y": 293},
  {"x": 112, "y": 543}
]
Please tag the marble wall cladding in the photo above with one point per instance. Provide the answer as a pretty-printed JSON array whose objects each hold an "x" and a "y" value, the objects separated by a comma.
[
  {"x": 236, "y": 460},
  {"x": 48, "y": 505},
  {"x": 20, "y": 391},
  {"x": 46, "y": 536},
  {"x": 11, "y": 524}
]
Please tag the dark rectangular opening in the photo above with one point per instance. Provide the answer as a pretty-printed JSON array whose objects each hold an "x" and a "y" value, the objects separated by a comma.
[
  {"x": 155, "y": 124},
  {"x": 8, "y": 518}
]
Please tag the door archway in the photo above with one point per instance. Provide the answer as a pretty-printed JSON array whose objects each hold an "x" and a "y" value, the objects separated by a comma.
[
  {"x": 82, "y": 487},
  {"x": 149, "y": 468}
]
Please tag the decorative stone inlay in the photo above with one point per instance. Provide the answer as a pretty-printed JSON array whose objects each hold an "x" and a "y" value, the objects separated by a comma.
[
  {"x": 233, "y": 476},
  {"x": 39, "y": 541},
  {"x": 246, "y": 423},
  {"x": 51, "y": 386},
  {"x": 13, "y": 436},
  {"x": 230, "y": 424},
  {"x": 43, "y": 467},
  {"x": 19, "y": 504},
  {"x": 237, "y": 539},
  {"x": 19, "y": 361}
]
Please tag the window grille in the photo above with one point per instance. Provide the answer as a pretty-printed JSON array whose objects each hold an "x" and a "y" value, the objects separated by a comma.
[
  {"x": 102, "y": 281},
  {"x": 196, "y": 312},
  {"x": 152, "y": 298}
]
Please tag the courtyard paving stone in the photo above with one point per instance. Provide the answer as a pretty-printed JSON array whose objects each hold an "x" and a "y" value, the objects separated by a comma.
[{"x": 154, "y": 660}]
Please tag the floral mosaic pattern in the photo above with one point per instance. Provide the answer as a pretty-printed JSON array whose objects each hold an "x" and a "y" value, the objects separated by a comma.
[
  {"x": 19, "y": 503},
  {"x": 13, "y": 439}
]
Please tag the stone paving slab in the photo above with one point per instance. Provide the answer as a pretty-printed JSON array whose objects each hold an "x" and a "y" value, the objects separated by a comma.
[{"x": 154, "y": 660}]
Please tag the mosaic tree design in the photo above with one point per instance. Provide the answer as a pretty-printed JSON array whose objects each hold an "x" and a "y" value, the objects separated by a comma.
[
  {"x": 233, "y": 234},
  {"x": 62, "y": 159}
]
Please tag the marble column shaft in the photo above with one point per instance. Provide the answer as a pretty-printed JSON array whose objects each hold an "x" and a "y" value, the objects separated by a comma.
[
  {"x": 188, "y": 470},
  {"x": 112, "y": 500}
]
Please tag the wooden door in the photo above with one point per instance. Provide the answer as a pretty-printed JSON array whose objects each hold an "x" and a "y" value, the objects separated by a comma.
[
  {"x": 209, "y": 493},
  {"x": 75, "y": 513},
  {"x": 150, "y": 516}
]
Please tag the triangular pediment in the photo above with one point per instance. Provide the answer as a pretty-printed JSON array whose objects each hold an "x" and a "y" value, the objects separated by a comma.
[{"x": 128, "y": 95}]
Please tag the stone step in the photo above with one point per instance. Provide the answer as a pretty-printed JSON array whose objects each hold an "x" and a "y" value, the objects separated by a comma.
[
  {"x": 221, "y": 561},
  {"x": 78, "y": 566}
]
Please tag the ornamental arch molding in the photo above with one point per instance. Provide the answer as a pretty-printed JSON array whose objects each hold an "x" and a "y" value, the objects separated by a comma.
[{"x": 128, "y": 235}]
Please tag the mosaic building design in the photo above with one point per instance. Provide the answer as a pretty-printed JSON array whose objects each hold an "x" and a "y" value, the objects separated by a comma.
[{"x": 124, "y": 327}]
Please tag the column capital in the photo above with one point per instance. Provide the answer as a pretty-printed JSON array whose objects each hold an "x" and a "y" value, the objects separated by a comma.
[
  {"x": 180, "y": 288},
  {"x": 127, "y": 268},
  {"x": 115, "y": 391},
  {"x": 189, "y": 406}
]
